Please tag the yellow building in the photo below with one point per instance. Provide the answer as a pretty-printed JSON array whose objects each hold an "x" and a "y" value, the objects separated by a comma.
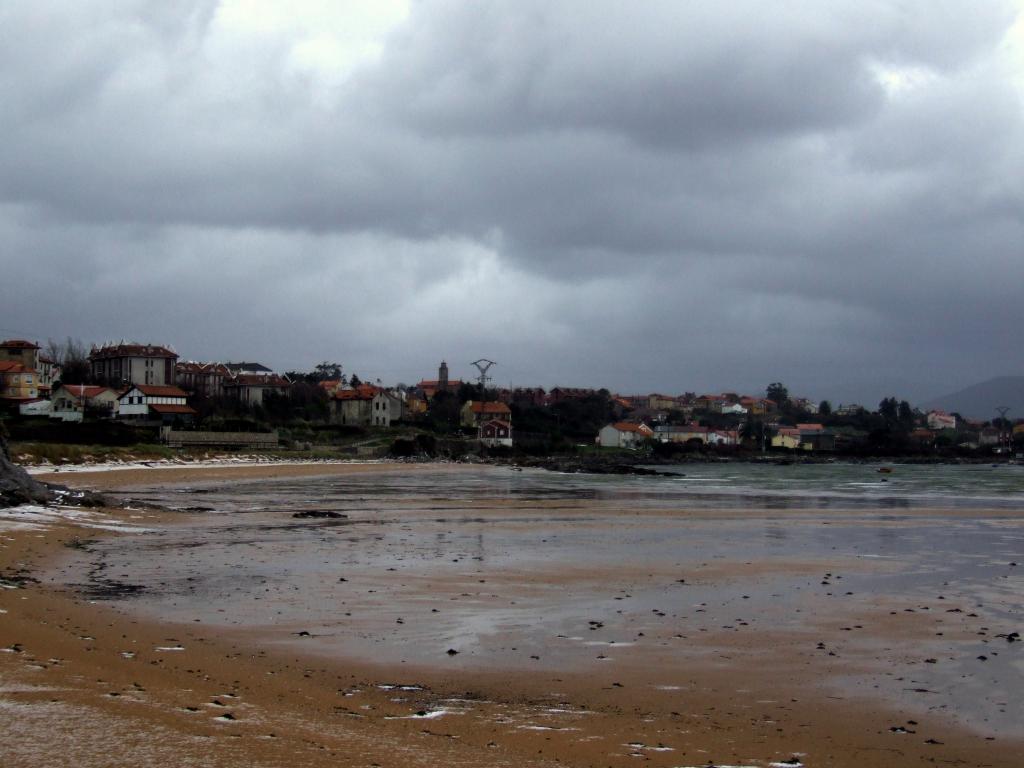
[{"x": 17, "y": 382}]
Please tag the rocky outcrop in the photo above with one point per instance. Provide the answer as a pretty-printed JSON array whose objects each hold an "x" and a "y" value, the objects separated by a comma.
[
  {"x": 18, "y": 487},
  {"x": 595, "y": 465}
]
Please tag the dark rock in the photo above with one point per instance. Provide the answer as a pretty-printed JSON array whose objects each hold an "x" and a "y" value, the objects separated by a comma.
[
  {"x": 18, "y": 487},
  {"x": 318, "y": 513}
]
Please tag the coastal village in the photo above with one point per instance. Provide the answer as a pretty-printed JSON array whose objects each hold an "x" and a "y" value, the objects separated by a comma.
[{"x": 147, "y": 384}]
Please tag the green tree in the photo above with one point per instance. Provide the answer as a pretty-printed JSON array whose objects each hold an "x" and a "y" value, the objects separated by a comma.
[
  {"x": 888, "y": 409},
  {"x": 443, "y": 412},
  {"x": 905, "y": 414},
  {"x": 327, "y": 371},
  {"x": 73, "y": 359},
  {"x": 824, "y": 408},
  {"x": 778, "y": 394}
]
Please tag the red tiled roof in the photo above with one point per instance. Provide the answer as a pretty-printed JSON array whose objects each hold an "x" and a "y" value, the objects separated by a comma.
[
  {"x": 485, "y": 408},
  {"x": 85, "y": 390},
  {"x": 11, "y": 366},
  {"x": 695, "y": 429},
  {"x": 362, "y": 392},
  {"x": 627, "y": 426},
  {"x": 190, "y": 366},
  {"x": 183, "y": 409},
  {"x": 18, "y": 344},
  {"x": 811, "y": 427}
]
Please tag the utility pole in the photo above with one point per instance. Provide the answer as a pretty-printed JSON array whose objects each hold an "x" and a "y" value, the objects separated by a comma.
[
  {"x": 483, "y": 365},
  {"x": 1005, "y": 436}
]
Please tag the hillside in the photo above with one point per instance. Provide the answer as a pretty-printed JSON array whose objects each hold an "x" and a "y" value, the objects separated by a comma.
[{"x": 979, "y": 401}]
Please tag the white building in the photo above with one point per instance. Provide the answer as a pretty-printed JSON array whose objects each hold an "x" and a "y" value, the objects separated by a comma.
[
  {"x": 70, "y": 402},
  {"x": 151, "y": 402},
  {"x": 733, "y": 408},
  {"x": 623, "y": 434},
  {"x": 941, "y": 420}
]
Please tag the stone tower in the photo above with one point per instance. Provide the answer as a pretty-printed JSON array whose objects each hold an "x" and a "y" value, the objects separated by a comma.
[{"x": 442, "y": 377}]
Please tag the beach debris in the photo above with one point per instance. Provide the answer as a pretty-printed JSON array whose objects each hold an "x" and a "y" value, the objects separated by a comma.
[
  {"x": 318, "y": 513},
  {"x": 451, "y": 652},
  {"x": 302, "y": 633}
]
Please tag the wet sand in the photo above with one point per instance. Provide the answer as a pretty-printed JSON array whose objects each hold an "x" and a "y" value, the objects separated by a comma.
[{"x": 709, "y": 660}]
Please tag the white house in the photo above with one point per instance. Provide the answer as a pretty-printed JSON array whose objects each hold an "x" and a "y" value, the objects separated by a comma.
[
  {"x": 941, "y": 420},
  {"x": 35, "y": 408},
  {"x": 145, "y": 401},
  {"x": 682, "y": 433},
  {"x": 386, "y": 407},
  {"x": 70, "y": 401},
  {"x": 734, "y": 408},
  {"x": 723, "y": 437},
  {"x": 623, "y": 434}
]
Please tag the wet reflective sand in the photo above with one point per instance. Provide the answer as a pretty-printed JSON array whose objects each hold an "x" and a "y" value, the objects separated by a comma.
[{"x": 876, "y": 596}]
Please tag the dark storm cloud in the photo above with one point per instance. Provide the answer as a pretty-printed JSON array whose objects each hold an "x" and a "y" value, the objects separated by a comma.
[{"x": 645, "y": 196}]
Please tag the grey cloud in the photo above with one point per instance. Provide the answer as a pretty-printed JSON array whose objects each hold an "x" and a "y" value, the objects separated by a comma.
[{"x": 653, "y": 196}]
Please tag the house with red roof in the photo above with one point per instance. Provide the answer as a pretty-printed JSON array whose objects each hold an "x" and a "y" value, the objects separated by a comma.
[
  {"x": 495, "y": 433},
  {"x": 251, "y": 388},
  {"x": 205, "y": 379},
  {"x": 476, "y": 412},
  {"x": 150, "y": 402},
  {"x": 623, "y": 434},
  {"x": 939, "y": 420},
  {"x": 70, "y": 402},
  {"x": 126, "y": 363},
  {"x": 20, "y": 351},
  {"x": 367, "y": 406},
  {"x": 18, "y": 383},
  {"x": 682, "y": 433}
]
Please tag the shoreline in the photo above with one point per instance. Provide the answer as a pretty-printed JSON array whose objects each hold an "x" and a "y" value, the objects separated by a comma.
[{"x": 334, "y": 711}]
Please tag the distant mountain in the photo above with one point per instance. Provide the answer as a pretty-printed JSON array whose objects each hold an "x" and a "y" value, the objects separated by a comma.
[{"x": 979, "y": 401}]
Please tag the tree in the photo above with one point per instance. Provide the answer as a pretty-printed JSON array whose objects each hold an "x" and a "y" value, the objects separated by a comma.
[
  {"x": 355, "y": 381},
  {"x": 905, "y": 414},
  {"x": 777, "y": 393},
  {"x": 888, "y": 409},
  {"x": 443, "y": 413},
  {"x": 326, "y": 371},
  {"x": 825, "y": 408},
  {"x": 73, "y": 359}
]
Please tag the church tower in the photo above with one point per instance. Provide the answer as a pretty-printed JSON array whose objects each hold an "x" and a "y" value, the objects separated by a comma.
[{"x": 442, "y": 377}]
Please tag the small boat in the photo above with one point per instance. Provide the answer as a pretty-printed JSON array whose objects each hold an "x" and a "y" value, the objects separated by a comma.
[{"x": 885, "y": 470}]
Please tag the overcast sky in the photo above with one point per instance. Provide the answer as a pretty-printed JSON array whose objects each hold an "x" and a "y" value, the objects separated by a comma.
[{"x": 656, "y": 196}]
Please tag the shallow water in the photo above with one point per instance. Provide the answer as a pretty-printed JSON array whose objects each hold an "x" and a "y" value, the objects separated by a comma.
[{"x": 536, "y": 570}]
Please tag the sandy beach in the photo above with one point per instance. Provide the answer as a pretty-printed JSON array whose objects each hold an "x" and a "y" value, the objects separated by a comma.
[{"x": 691, "y": 657}]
